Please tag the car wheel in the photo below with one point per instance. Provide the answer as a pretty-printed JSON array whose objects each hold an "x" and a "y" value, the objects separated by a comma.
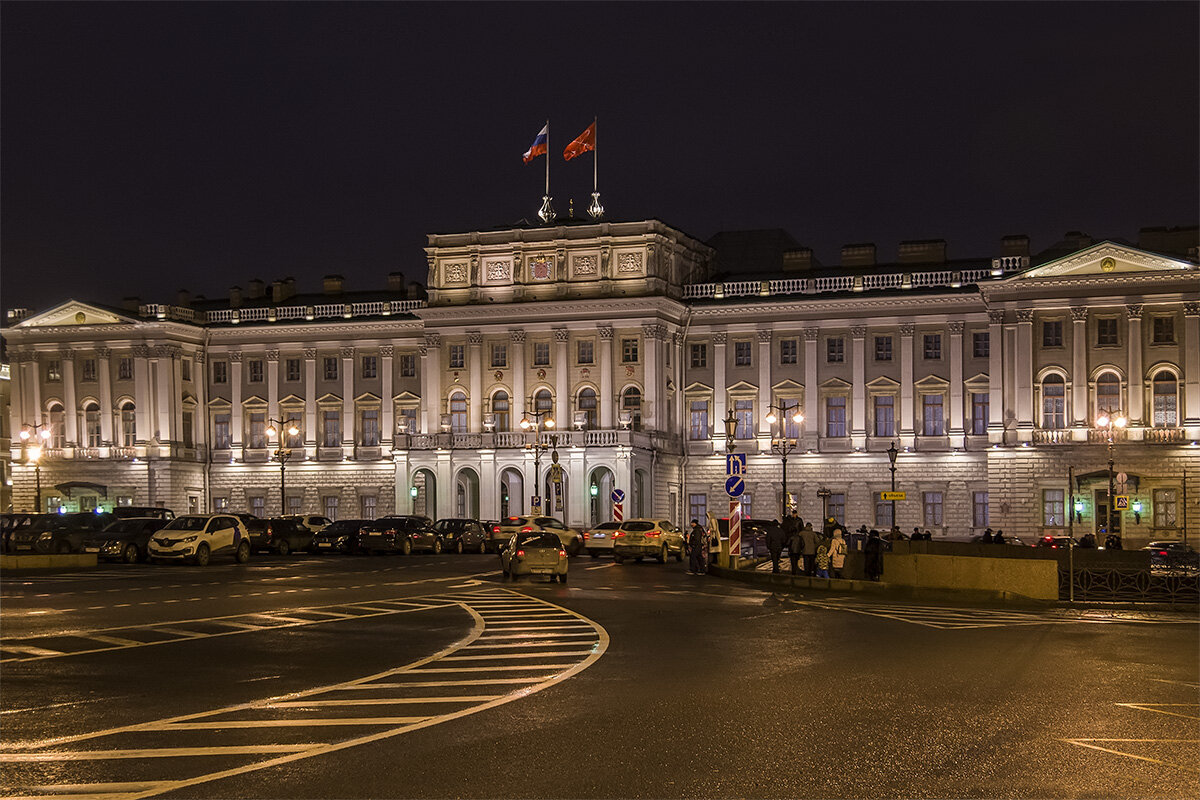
[
  {"x": 593, "y": 554},
  {"x": 130, "y": 554},
  {"x": 202, "y": 555},
  {"x": 437, "y": 547},
  {"x": 458, "y": 546},
  {"x": 482, "y": 546},
  {"x": 662, "y": 556},
  {"x": 243, "y": 553},
  {"x": 618, "y": 558},
  {"x": 282, "y": 548},
  {"x": 406, "y": 548},
  {"x": 562, "y": 578},
  {"x": 679, "y": 554}
]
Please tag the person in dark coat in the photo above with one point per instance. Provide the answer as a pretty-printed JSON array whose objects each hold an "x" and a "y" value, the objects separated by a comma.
[
  {"x": 795, "y": 545},
  {"x": 1112, "y": 542},
  {"x": 696, "y": 537},
  {"x": 808, "y": 548},
  {"x": 873, "y": 552},
  {"x": 775, "y": 542}
]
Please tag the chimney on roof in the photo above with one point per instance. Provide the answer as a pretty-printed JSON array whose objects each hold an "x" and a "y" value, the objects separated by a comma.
[
  {"x": 798, "y": 259},
  {"x": 1078, "y": 239},
  {"x": 257, "y": 290},
  {"x": 926, "y": 251},
  {"x": 131, "y": 303},
  {"x": 183, "y": 298},
  {"x": 235, "y": 296},
  {"x": 332, "y": 284},
  {"x": 1178, "y": 241},
  {"x": 858, "y": 255},
  {"x": 395, "y": 282},
  {"x": 1015, "y": 245},
  {"x": 289, "y": 287}
]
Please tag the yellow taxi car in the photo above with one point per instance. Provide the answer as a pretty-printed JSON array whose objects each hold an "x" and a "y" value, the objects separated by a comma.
[
  {"x": 534, "y": 553},
  {"x": 637, "y": 538}
]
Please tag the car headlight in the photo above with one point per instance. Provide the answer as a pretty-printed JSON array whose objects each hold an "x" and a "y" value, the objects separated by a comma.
[
  {"x": 44, "y": 536},
  {"x": 188, "y": 539}
]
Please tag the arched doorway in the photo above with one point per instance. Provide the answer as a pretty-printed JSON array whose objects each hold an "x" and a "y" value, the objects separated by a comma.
[
  {"x": 424, "y": 501},
  {"x": 466, "y": 494},
  {"x": 600, "y": 486},
  {"x": 555, "y": 494},
  {"x": 512, "y": 493},
  {"x": 640, "y": 502}
]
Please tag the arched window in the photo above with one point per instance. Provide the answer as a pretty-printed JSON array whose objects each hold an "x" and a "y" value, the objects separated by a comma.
[
  {"x": 91, "y": 424},
  {"x": 128, "y": 424},
  {"x": 1166, "y": 400},
  {"x": 631, "y": 404},
  {"x": 543, "y": 403},
  {"x": 1054, "y": 402},
  {"x": 587, "y": 406},
  {"x": 1108, "y": 393},
  {"x": 458, "y": 413},
  {"x": 501, "y": 411},
  {"x": 58, "y": 435}
]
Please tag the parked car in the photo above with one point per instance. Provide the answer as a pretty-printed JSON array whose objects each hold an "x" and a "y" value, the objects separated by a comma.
[
  {"x": 314, "y": 522},
  {"x": 462, "y": 535},
  {"x": 199, "y": 537},
  {"x": 58, "y": 533},
  {"x": 280, "y": 535},
  {"x": 534, "y": 553},
  {"x": 637, "y": 538},
  {"x": 1007, "y": 539},
  {"x": 400, "y": 535},
  {"x": 599, "y": 540},
  {"x": 126, "y": 539},
  {"x": 572, "y": 540},
  {"x": 754, "y": 535},
  {"x": 339, "y": 537},
  {"x": 1171, "y": 555},
  {"x": 10, "y": 523},
  {"x": 495, "y": 539},
  {"x": 1055, "y": 542},
  {"x": 130, "y": 512}
]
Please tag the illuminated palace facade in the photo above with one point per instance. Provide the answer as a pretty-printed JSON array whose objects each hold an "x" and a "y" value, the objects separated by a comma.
[{"x": 991, "y": 377}]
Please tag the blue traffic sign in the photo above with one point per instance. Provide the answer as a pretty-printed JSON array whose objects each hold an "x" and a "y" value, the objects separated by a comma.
[
  {"x": 618, "y": 495},
  {"x": 536, "y": 501},
  {"x": 735, "y": 464},
  {"x": 735, "y": 485}
]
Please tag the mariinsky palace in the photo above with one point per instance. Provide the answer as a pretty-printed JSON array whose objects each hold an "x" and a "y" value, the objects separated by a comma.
[{"x": 635, "y": 356}]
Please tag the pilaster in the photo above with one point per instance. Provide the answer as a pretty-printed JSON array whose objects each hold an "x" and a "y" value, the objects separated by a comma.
[{"x": 1137, "y": 381}]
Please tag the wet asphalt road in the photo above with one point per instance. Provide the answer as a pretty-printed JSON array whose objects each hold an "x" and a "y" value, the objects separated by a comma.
[{"x": 655, "y": 684}]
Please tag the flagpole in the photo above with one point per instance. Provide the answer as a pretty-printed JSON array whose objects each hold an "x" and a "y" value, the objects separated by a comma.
[
  {"x": 546, "y": 214},
  {"x": 548, "y": 151},
  {"x": 595, "y": 210}
]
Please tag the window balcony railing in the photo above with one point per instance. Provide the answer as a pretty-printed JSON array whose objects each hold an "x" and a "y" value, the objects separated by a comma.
[
  {"x": 1052, "y": 436},
  {"x": 1097, "y": 436},
  {"x": 1165, "y": 435}
]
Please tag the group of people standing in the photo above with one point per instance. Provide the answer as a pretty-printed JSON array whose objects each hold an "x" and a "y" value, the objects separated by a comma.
[{"x": 822, "y": 554}]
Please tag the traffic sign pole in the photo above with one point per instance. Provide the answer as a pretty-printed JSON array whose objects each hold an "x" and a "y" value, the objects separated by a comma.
[{"x": 735, "y": 532}]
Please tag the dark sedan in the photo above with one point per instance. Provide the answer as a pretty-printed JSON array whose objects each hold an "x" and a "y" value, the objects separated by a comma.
[
  {"x": 463, "y": 535},
  {"x": 280, "y": 535},
  {"x": 400, "y": 535},
  {"x": 124, "y": 540},
  {"x": 339, "y": 537},
  {"x": 58, "y": 533}
]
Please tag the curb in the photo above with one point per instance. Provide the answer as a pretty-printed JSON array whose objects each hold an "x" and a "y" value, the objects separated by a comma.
[{"x": 15, "y": 565}]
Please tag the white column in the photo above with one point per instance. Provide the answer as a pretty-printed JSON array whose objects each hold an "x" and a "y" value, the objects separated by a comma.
[
  {"x": 957, "y": 407},
  {"x": 1191, "y": 370},
  {"x": 164, "y": 365},
  {"x": 720, "y": 392},
  {"x": 475, "y": 381},
  {"x": 907, "y": 387},
  {"x": 431, "y": 373},
  {"x": 996, "y": 377},
  {"x": 200, "y": 421},
  {"x": 18, "y": 413},
  {"x": 1079, "y": 366},
  {"x": 310, "y": 402},
  {"x": 650, "y": 378},
  {"x": 1137, "y": 381},
  {"x": 1024, "y": 374},
  {"x": 71, "y": 417},
  {"x": 141, "y": 396},
  {"x": 103, "y": 362},
  {"x": 516, "y": 362},
  {"x": 489, "y": 486},
  {"x": 387, "y": 415},
  {"x": 858, "y": 386},
  {"x": 764, "y": 382},
  {"x": 237, "y": 413},
  {"x": 606, "y": 400},
  {"x": 562, "y": 381},
  {"x": 812, "y": 392},
  {"x": 176, "y": 401},
  {"x": 273, "y": 384},
  {"x": 348, "y": 421}
]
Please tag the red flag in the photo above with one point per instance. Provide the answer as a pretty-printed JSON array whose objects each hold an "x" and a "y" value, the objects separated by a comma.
[{"x": 585, "y": 142}]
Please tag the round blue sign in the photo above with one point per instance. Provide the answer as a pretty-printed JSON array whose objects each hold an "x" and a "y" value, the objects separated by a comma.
[
  {"x": 618, "y": 495},
  {"x": 734, "y": 486}
]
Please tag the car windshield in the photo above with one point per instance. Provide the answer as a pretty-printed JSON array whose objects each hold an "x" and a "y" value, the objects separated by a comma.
[
  {"x": 51, "y": 522},
  {"x": 186, "y": 524},
  {"x": 539, "y": 540},
  {"x": 638, "y": 527},
  {"x": 343, "y": 526},
  {"x": 450, "y": 524}
]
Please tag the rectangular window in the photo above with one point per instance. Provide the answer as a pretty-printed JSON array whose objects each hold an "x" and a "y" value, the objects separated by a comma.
[
  {"x": 53, "y": 371},
  {"x": 629, "y": 351},
  {"x": 835, "y": 416},
  {"x": 87, "y": 370},
  {"x": 585, "y": 351},
  {"x": 981, "y": 344},
  {"x": 699, "y": 420},
  {"x": 1106, "y": 331},
  {"x": 885, "y": 418},
  {"x": 185, "y": 369},
  {"x": 257, "y": 431},
  {"x": 698, "y": 508},
  {"x": 883, "y": 348},
  {"x": 291, "y": 370},
  {"x": 295, "y": 504},
  {"x": 221, "y": 439},
  {"x": 188, "y": 432},
  {"x": 1163, "y": 331},
  {"x": 835, "y": 350},
  {"x": 883, "y": 513},
  {"x": 541, "y": 354},
  {"x": 258, "y": 505},
  {"x": 499, "y": 355},
  {"x": 408, "y": 365},
  {"x": 1054, "y": 403},
  {"x": 370, "y": 427},
  {"x": 699, "y": 356},
  {"x": 458, "y": 356},
  {"x": 370, "y": 366},
  {"x": 331, "y": 424},
  {"x": 254, "y": 370},
  {"x": 330, "y": 368},
  {"x": 1052, "y": 333},
  {"x": 745, "y": 498},
  {"x": 220, "y": 504},
  {"x": 932, "y": 503},
  {"x": 979, "y": 510},
  {"x": 1053, "y": 508},
  {"x": 125, "y": 369},
  {"x": 742, "y": 354},
  {"x": 408, "y": 421},
  {"x": 789, "y": 351},
  {"x": 330, "y": 504},
  {"x": 744, "y": 411},
  {"x": 931, "y": 405},
  {"x": 1165, "y": 507},
  {"x": 837, "y": 507},
  {"x": 293, "y": 419},
  {"x": 933, "y": 347},
  {"x": 980, "y": 411},
  {"x": 367, "y": 505}
]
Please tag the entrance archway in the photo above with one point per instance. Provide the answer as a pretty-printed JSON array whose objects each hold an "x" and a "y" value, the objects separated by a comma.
[
  {"x": 512, "y": 493},
  {"x": 425, "y": 500},
  {"x": 641, "y": 503},
  {"x": 600, "y": 501},
  {"x": 466, "y": 494}
]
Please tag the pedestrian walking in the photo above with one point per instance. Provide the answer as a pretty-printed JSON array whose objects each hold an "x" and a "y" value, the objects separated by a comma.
[
  {"x": 808, "y": 548},
  {"x": 775, "y": 542},
  {"x": 822, "y": 561},
  {"x": 1112, "y": 542},
  {"x": 837, "y": 552},
  {"x": 696, "y": 538},
  {"x": 795, "y": 545},
  {"x": 873, "y": 553}
]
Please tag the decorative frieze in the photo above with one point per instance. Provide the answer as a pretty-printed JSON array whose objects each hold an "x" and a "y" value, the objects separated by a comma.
[
  {"x": 629, "y": 263},
  {"x": 455, "y": 272},
  {"x": 584, "y": 265},
  {"x": 541, "y": 268},
  {"x": 517, "y": 337},
  {"x": 497, "y": 270}
]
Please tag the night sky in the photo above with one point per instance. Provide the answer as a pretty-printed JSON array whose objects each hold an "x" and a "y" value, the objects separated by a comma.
[{"x": 156, "y": 146}]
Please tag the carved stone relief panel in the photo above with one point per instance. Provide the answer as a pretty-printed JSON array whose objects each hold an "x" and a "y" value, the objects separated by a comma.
[
  {"x": 497, "y": 270},
  {"x": 582, "y": 265},
  {"x": 630, "y": 264},
  {"x": 454, "y": 272},
  {"x": 541, "y": 268}
]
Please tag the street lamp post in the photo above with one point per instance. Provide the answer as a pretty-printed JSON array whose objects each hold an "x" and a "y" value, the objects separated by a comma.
[
  {"x": 283, "y": 454},
  {"x": 1107, "y": 421},
  {"x": 892, "y": 453},
  {"x": 33, "y": 452},
  {"x": 782, "y": 445},
  {"x": 541, "y": 419},
  {"x": 824, "y": 494}
]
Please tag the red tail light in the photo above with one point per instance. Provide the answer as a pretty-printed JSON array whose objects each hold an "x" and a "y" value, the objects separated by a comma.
[
  {"x": 562, "y": 554},
  {"x": 527, "y": 529},
  {"x": 1162, "y": 552},
  {"x": 654, "y": 533},
  {"x": 520, "y": 554},
  {"x": 618, "y": 534}
]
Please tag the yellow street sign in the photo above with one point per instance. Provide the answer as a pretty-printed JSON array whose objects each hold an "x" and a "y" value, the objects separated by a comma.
[
  {"x": 893, "y": 495},
  {"x": 1121, "y": 502}
]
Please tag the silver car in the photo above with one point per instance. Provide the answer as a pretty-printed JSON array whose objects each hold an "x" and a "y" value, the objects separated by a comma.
[
  {"x": 599, "y": 540},
  {"x": 534, "y": 553},
  {"x": 637, "y": 538}
]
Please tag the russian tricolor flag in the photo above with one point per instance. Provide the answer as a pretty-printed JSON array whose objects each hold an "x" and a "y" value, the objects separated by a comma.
[{"x": 538, "y": 148}]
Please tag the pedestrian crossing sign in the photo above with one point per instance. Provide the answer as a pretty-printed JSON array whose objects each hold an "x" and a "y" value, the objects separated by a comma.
[{"x": 1121, "y": 502}]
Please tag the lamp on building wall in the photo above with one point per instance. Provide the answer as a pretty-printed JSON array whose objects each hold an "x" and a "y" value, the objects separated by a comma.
[
  {"x": 1108, "y": 421},
  {"x": 33, "y": 454},
  {"x": 541, "y": 418},
  {"x": 781, "y": 444},
  {"x": 276, "y": 428}
]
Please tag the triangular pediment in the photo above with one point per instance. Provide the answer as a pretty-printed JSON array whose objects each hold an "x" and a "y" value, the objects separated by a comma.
[
  {"x": 697, "y": 388},
  {"x": 74, "y": 312},
  {"x": 1104, "y": 259}
]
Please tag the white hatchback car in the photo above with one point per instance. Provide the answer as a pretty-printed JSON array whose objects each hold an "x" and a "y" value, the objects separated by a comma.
[
  {"x": 599, "y": 539},
  {"x": 199, "y": 537}
]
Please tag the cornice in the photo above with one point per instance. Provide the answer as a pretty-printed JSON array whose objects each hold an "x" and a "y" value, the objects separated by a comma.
[
  {"x": 321, "y": 332},
  {"x": 845, "y": 308}
]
